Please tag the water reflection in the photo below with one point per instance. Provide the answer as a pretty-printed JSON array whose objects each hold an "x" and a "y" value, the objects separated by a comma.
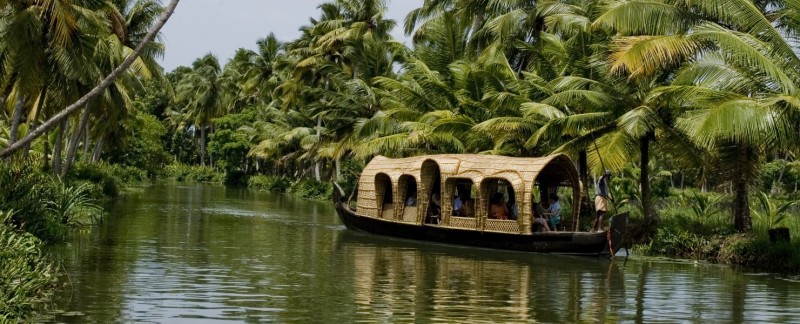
[
  {"x": 207, "y": 253},
  {"x": 444, "y": 283}
]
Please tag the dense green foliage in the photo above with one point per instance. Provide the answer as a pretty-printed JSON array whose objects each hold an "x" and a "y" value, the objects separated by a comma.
[
  {"x": 27, "y": 276},
  {"x": 269, "y": 183},
  {"x": 43, "y": 205},
  {"x": 193, "y": 173},
  {"x": 678, "y": 95},
  {"x": 37, "y": 208},
  {"x": 311, "y": 189},
  {"x": 692, "y": 104},
  {"x": 143, "y": 148}
]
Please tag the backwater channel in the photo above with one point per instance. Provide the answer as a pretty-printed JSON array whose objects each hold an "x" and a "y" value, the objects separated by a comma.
[{"x": 205, "y": 254}]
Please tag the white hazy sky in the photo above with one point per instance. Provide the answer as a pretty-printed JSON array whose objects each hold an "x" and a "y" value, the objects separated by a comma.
[{"x": 222, "y": 26}]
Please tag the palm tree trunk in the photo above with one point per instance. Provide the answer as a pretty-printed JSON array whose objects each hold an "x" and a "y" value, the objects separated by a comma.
[
  {"x": 203, "y": 145},
  {"x": 741, "y": 207},
  {"x": 34, "y": 123},
  {"x": 86, "y": 140},
  {"x": 210, "y": 157},
  {"x": 16, "y": 118},
  {"x": 477, "y": 23},
  {"x": 58, "y": 146},
  {"x": 72, "y": 149},
  {"x": 337, "y": 164},
  {"x": 650, "y": 217},
  {"x": 583, "y": 170},
  {"x": 98, "y": 149},
  {"x": 53, "y": 121},
  {"x": 317, "y": 162},
  {"x": 46, "y": 154}
]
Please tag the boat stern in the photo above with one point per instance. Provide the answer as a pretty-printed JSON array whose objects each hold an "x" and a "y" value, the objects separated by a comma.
[{"x": 617, "y": 231}]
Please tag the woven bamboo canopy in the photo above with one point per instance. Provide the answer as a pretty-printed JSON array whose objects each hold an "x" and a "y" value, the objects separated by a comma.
[{"x": 385, "y": 182}]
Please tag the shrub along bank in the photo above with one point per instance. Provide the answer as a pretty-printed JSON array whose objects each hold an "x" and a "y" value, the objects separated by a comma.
[
  {"x": 698, "y": 226},
  {"x": 28, "y": 276},
  {"x": 37, "y": 209}
]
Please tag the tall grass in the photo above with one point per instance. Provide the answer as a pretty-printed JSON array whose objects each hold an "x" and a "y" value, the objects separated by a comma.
[
  {"x": 45, "y": 206},
  {"x": 27, "y": 274}
]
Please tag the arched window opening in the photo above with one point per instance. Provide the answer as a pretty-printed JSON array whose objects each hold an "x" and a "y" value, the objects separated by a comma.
[
  {"x": 383, "y": 192},
  {"x": 409, "y": 191},
  {"x": 500, "y": 199}
]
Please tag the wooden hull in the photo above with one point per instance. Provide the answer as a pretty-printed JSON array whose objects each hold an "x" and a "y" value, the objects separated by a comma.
[{"x": 595, "y": 243}]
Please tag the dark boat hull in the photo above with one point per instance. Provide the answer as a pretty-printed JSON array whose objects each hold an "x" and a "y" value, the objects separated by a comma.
[{"x": 595, "y": 243}]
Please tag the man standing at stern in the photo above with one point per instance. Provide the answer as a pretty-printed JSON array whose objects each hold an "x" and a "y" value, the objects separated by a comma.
[{"x": 601, "y": 199}]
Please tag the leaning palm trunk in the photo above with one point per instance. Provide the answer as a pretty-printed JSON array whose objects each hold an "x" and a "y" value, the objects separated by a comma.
[
  {"x": 100, "y": 88},
  {"x": 72, "y": 149}
]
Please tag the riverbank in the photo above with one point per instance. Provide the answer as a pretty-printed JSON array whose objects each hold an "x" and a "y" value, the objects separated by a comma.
[
  {"x": 39, "y": 209},
  {"x": 697, "y": 226}
]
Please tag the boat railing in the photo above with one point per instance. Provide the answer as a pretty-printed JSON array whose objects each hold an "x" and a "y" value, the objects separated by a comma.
[
  {"x": 502, "y": 225},
  {"x": 463, "y": 222}
]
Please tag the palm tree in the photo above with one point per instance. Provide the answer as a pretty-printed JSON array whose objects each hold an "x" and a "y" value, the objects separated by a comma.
[
  {"x": 201, "y": 92},
  {"x": 42, "y": 44},
  {"x": 736, "y": 80},
  {"x": 129, "y": 21},
  {"x": 97, "y": 90}
]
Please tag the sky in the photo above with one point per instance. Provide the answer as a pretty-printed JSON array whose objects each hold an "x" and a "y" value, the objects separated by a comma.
[{"x": 222, "y": 26}]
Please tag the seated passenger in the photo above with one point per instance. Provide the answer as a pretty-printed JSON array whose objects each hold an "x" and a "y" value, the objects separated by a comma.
[
  {"x": 411, "y": 201},
  {"x": 554, "y": 211},
  {"x": 539, "y": 222},
  {"x": 514, "y": 212},
  {"x": 498, "y": 209},
  {"x": 469, "y": 208},
  {"x": 458, "y": 206}
]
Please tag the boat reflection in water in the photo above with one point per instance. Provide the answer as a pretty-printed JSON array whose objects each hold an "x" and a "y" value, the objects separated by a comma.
[{"x": 400, "y": 280}]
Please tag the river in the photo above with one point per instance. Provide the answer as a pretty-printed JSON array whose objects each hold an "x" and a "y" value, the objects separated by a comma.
[{"x": 205, "y": 254}]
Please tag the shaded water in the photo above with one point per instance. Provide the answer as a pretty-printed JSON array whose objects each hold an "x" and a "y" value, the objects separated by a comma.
[{"x": 212, "y": 254}]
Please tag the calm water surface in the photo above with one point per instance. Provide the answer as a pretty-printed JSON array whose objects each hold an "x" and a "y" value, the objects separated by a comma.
[{"x": 204, "y": 254}]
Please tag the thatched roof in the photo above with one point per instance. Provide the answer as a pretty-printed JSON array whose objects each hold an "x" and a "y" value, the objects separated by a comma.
[{"x": 522, "y": 173}]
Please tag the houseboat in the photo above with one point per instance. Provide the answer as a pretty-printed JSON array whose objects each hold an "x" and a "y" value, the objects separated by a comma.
[{"x": 476, "y": 200}]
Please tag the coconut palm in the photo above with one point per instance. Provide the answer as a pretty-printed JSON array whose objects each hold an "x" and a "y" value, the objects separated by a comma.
[
  {"x": 66, "y": 112},
  {"x": 735, "y": 82},
  {"x": 201, "y": 93},
  {"x": 43, "y": 43},
  {"x": 129, "y": 22}
]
